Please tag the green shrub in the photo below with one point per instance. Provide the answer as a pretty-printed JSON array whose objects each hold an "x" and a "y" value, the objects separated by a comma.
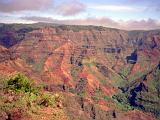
[
  {"x": 123, "y": 107},
  {"x": 19, "y": 82},
  {"x": 72, "y": 90},
  {"x": 122, "y": 102},
  {"x": 47, "y": 100},
  {"x": 95, "y": 98},
  {"x": 81, "y": 94},
  {"x": 107, "y": 98}
]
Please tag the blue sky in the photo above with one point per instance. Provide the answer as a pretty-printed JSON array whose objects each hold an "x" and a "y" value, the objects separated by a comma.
[{"x": 124, "y": 14}]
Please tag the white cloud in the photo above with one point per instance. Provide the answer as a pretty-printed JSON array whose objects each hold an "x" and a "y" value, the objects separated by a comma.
[
  {"x": 116, "y": 8},
  {"x": 70, "y": 8},
  {"x": 24, "y": 5}
]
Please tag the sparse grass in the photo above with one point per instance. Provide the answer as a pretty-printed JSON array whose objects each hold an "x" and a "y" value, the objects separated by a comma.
[
  {"x": 80, "y": 87},
  {"x": 108, "y": 98},
  {"x": 73, "y": 72},
  {"x": 125, "y": 71},
  {"x": 117, "y": 80},
  {"x": 38, "y": 66},
  {"x": 95, "y": 98},
  {"x": 136, "y": 76},
  {"x": 48, "y": 99},
  {"x": 2, "y": 81},
  {"x": 81, "y": 94},
  {"x": 89, "y": 64},
  {"x": 123, "y": 107},
  {"x": 122, "y": 102},
  {"x": 144, "y": 62},
  {"x": 72, "y": 90},
  {"x": 97, "y": 95}
]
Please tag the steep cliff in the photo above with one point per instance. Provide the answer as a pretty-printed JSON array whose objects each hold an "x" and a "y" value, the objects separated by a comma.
[{"x": 101, "y": 71}]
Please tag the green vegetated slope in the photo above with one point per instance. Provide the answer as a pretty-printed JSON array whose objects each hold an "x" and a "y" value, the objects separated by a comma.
[{"x": 21, "y": 99}]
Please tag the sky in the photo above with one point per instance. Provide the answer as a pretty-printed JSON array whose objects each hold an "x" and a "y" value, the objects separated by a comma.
[{"x": 122, "y": 14}]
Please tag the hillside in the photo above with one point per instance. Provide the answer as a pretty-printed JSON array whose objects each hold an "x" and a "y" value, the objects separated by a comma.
[{"x": 102, "y": 73}]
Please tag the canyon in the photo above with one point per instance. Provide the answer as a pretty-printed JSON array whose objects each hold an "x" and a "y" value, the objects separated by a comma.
[{"x": 103, "y": 73}]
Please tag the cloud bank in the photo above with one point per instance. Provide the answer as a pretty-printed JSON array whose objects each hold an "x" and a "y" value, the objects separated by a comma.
[
  {"x": 69, "y": 8},
  {"x": 24, "y": 5},
  {"x": 106, "y": 22}
]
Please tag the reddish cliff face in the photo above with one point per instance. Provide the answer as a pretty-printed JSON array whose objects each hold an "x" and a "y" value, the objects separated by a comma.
[{"x": 90, "y": 63}]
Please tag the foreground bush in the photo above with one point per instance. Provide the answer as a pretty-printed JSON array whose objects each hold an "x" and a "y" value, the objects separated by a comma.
[
  {"x": 20, "y": 94},
  {"x": 20, "y": 82}
]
